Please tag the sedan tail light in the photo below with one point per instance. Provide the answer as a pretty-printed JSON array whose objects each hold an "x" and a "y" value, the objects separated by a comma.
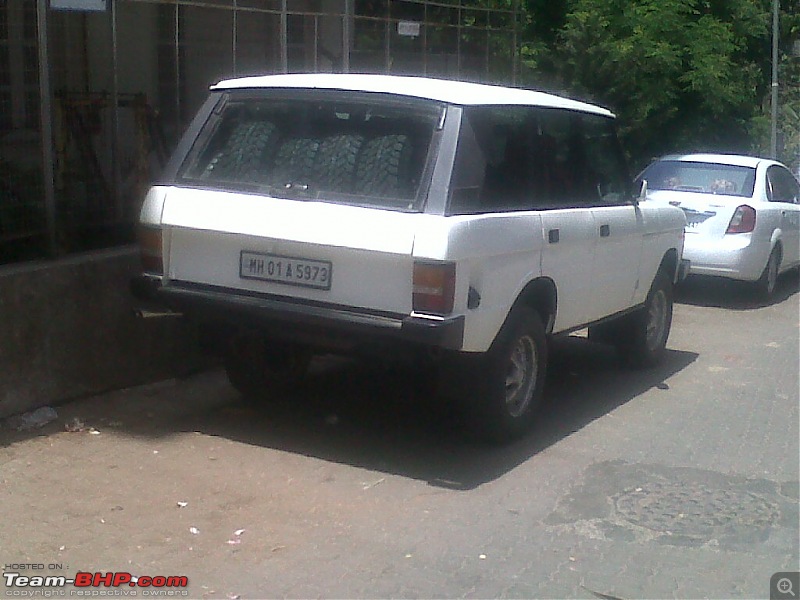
[
  {"x": 150, "y": 249},
  {"x": 434, "y": 287},
  {"x": 743, "y": 220}
]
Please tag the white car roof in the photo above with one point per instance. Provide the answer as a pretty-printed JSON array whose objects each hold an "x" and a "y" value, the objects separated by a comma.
[
  {"x": 735, "y": 160},
  {"x": 442, "y": 90}
]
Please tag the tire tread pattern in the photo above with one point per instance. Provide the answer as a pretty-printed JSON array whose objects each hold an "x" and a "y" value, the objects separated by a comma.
[
  {"x": 244, "y": 154},
  {"x": 384, "y": 165}
]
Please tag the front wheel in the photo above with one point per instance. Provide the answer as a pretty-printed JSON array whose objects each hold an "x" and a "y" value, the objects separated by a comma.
[
  {"x": 646, "y": 331},
  {"x": 510, "y": 379}
]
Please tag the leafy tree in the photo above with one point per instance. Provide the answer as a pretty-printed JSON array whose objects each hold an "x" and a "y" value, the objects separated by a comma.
[
  {"x": 682, "y": 75},
  {"x": 788, "y": 94}
]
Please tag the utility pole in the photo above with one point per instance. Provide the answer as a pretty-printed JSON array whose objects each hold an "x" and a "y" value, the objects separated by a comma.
[{"x": 774, "y": 119}]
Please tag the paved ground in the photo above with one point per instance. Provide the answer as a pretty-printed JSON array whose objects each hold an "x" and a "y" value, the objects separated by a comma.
[{"x": 679, "y": 482}]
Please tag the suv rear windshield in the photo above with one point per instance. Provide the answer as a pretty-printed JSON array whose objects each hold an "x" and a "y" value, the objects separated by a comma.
[
  {"x": 705, "y": 178},
  {"x": 317, "y": 145}
]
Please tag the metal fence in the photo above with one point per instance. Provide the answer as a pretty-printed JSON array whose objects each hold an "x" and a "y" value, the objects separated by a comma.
[
  {"x": 113, "y": 90},
  {"x": 23, "y": 222}
]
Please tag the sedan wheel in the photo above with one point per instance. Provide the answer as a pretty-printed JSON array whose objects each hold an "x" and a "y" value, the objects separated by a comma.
[{"x": 769, "y": 278}]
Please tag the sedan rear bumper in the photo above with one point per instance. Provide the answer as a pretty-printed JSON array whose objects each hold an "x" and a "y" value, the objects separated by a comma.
[{"x": 736, "y": 256}]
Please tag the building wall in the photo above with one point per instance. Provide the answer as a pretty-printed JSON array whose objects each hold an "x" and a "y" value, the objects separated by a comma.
[
  {"x": 68, "y": 329},
  {"x": 66, "y": 325}
]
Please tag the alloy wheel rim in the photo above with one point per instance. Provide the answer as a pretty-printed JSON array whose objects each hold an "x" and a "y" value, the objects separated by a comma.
[{"x": 521, "y": 376}]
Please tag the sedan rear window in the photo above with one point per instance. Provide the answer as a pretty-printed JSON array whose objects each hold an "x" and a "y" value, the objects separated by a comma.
[
  {"x": 704, "y": 178},
  {"x": 318, "y": 146}
]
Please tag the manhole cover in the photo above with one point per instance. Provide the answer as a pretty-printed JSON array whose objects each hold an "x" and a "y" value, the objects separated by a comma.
[{"x": 693, "y": 509}]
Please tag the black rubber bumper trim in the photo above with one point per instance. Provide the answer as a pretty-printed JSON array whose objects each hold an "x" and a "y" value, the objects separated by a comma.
[{"x": 219, "y": 302}]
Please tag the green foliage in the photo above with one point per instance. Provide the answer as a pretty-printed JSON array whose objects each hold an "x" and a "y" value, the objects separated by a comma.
[{"x": 682, "y": 75}]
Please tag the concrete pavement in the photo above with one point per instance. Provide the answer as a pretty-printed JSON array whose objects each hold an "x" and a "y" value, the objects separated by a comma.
[{"x": 680, "y": 482}]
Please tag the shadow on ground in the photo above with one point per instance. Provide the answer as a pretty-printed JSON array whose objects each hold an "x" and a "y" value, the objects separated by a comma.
[
  {"x": 377, "y": 417},
  {"x": 380, "y": 418},
  {"x": 734, "y": 295}
]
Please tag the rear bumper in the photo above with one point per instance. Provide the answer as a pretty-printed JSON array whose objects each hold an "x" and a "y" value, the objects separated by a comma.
[
  {"x": 289, "y": 319},
  {"x": 736, "y": 256}
]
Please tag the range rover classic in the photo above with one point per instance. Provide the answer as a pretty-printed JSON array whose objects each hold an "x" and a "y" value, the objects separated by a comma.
[{"x": 459, "y": 224}]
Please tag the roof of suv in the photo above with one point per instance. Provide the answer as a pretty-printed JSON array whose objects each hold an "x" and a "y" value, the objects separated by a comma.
[{"x": 442, "y": 90}]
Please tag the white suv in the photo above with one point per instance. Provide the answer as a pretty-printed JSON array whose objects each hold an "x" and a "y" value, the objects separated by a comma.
[{"x": 462, "y": 223}]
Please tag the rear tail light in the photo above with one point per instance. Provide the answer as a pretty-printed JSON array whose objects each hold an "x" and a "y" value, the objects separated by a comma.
[
  {"x": 743, "y": 220},
  {"x": 150, "y": 249},
  {"x": 434, "y": 287}
]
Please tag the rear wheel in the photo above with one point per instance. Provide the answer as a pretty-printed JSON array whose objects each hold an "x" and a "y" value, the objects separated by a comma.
[
  {"x": 509, "y": 379},
  {"x": 259, "y": 369},
  {"x": 765, "y": 286}
]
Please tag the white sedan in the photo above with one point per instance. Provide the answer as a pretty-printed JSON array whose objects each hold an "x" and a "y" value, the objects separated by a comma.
[{"x": 742, "y": 213}]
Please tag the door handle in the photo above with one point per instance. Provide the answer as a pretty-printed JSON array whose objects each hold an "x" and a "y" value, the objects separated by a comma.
[
  {"x": 605, "y": 231},
  {"x": 552, "y": 236}
]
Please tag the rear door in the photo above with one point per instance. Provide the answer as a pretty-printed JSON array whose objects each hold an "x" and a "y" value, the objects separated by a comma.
[
  {"x": 567, "y": 254},
  {"x": 519, "y": 167},
  {"x": 783, "y": 191}
]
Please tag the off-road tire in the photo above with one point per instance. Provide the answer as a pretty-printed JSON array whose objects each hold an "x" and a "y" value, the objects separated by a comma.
[
  {"x": 383, "y": 166},
  {"x": 244, "y": 154},
  {"x": 336, "y": 162},
  {"x": 295, "y": 160}
]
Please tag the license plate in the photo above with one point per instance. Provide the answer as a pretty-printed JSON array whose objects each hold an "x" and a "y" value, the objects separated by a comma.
[{"x": 286, "y": 269}]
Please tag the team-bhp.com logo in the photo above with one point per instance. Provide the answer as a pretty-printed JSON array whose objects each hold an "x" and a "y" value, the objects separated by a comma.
[{"x": 92, "y": 584}]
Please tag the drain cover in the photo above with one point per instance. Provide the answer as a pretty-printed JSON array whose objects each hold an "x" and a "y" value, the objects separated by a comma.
[{"x": 693, "y": 509}]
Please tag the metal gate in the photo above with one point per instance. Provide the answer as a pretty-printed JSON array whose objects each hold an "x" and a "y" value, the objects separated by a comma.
[{"x": 114, "y": 89}]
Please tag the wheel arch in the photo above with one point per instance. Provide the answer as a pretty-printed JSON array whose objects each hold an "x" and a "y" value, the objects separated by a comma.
[
  {"x": 541, "y": 295},
  {"x": 776, "y": 243},
  {"x": 669, "y": 264}
]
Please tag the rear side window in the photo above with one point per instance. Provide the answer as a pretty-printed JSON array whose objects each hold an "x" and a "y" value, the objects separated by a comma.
[
  {"x": 701, "y": 177},
  {"x": 317, "y": 146},
  {"x": 536, "y": 158},
  {"x": 782, "y": 186}
]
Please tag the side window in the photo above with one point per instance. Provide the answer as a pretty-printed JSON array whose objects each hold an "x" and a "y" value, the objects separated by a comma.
[
  {"x": 500, "y": 133},
  {"x": 606, "y": 166},
  {"x": 526, "y": 158},
  {"x": 556, "y": 159},
  {"x": 782, "y": 186}
]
